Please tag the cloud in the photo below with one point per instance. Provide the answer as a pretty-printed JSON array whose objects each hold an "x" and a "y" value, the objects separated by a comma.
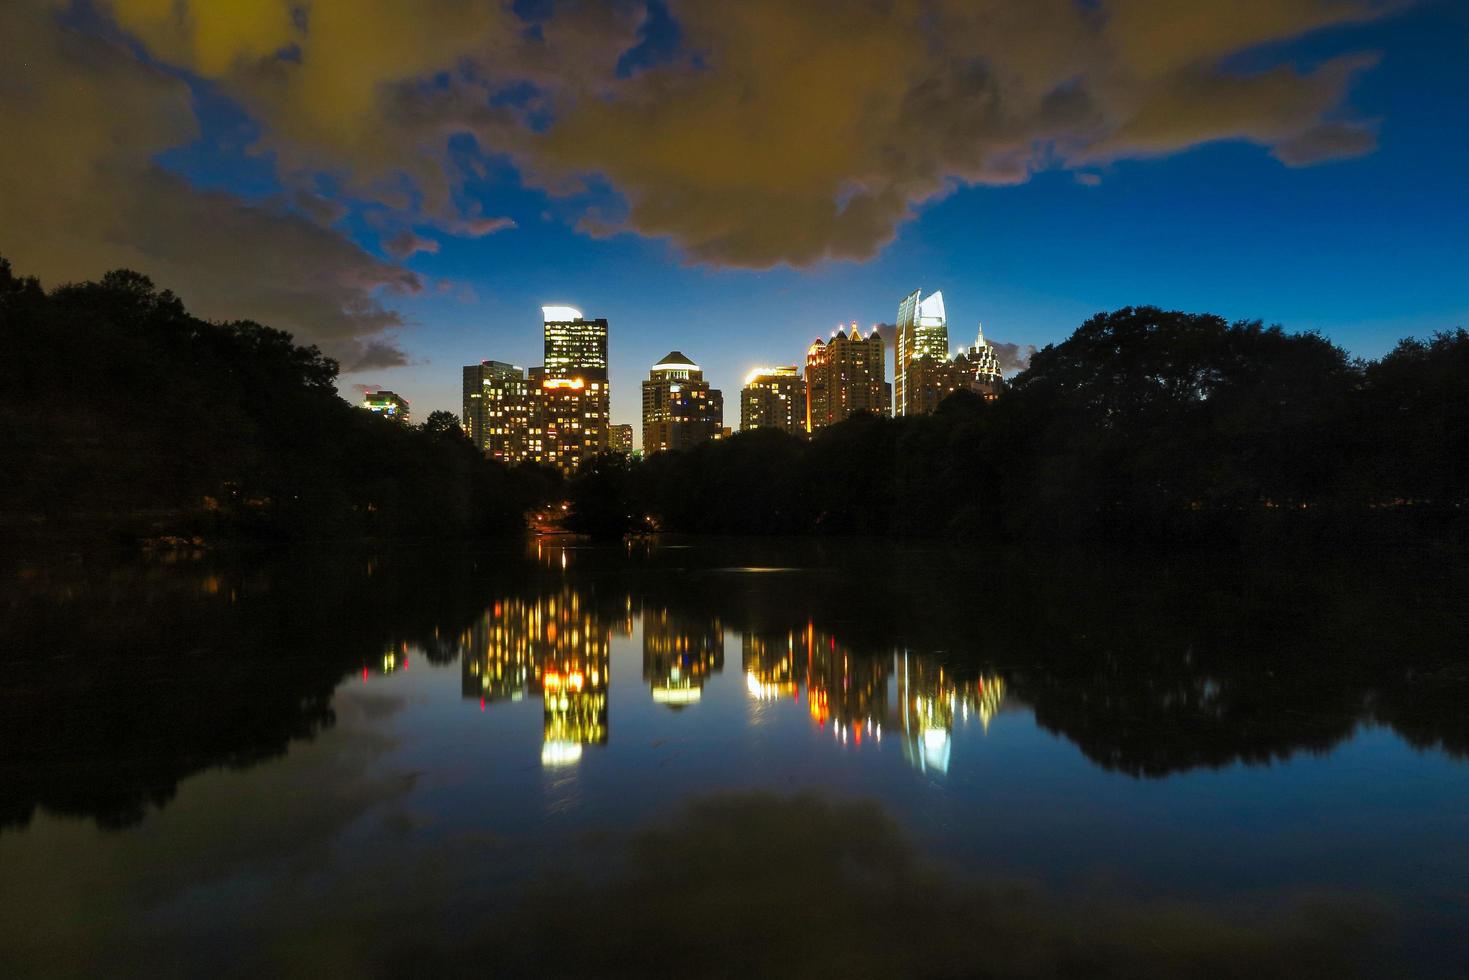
[
  {"x": 375, "y": 354},
  {"x": 79, "y": 194},
  {"x": 773, "y": 133},
  {"x": 1013, "y": 358},
  {"x": 406, "y": 244},
  {"x": 1088, "y": 179}
]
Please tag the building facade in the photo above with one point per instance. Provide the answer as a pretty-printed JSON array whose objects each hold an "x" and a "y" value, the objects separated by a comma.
[
  {"x": 923, "y": 336},
  {"x": 497, "y": 410},
  {"x": 845, "y": 375},
  {"x": 773, "y": 398},
  {"x": 680, "y": 410},
  {"x": 619, "y": 439},
  {"x": 572, "y": 396},
  {"x": 386, "y": 404}
]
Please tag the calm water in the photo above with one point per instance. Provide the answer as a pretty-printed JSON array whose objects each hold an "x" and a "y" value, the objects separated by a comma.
[{"x": 733, "y": 758}]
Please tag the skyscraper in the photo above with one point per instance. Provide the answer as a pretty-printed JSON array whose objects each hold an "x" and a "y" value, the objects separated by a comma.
[
  {"x": 575, "y": 347},
  {"x": 571, "y": 391},
  {"x": 497, "y": 410},
  {"x": 844, "y": 376},
  {"x": 923, "y": 333},
  {"x": 773, "y": 398},
  {"x": 387, "y": 404},
  {"x": 680, "y": 410}
]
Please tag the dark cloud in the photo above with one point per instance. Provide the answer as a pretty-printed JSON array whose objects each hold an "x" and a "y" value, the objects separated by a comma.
[
  {"x": 406, "y": 244},
  {"x": 1014, "y": 358},
  {"x": 767, "y": 137},
  {"x": 81, "y": 195},
  {"x": 375, "y": 354}
]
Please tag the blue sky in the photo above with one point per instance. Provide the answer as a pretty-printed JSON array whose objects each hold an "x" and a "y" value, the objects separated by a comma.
[{"x": 261, "y": 164}]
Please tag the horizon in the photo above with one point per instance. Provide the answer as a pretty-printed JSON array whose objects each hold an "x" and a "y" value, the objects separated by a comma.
[{"x": 406, "y": 189}]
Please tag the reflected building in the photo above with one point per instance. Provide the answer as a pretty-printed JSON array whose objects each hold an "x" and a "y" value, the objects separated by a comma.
[
  {"x": 844, "y": 687},
  {"x": 679, "y": 655},
  {"x": 552, "y": 645},
  {"x": 769, "y": 662},
  {"x": 931, "y": 699}
]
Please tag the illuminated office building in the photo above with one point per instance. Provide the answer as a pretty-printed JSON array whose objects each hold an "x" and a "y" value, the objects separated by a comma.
[
  {"x": 922, "y": 345},
  {"x": 386, "y": 404},
  {"x": 569, "y": 420},
  {"x": 845, "y": 375},
  {"x": 931, "y": 700},
  {"x": 575, "y": 347},
  {"x": 571, "y": 396},
  {"x": 619, "y": 439},
  {"x": 773, "y": 398},
  {"x": 680, "y": 410},
  {"x": 497, "y": 410},
  {"x": 679, "y": 655}
]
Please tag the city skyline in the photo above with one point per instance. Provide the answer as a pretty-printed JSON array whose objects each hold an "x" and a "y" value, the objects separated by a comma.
[{"x": 409, "y": 214}]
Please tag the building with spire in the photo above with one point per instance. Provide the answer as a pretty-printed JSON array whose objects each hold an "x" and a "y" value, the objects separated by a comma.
[
  {"x": 680, "y": 410},
  {"x": 845, "y": 375},
  {"x": 773, "y": 398},
  {"x": 978, "y": 369}
]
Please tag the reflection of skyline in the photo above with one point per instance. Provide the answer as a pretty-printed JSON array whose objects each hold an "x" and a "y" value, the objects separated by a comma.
[
  {"x": 929, "y": 700},
  {"x": 555, "y": 645},
  {"x": 844, "y": 687},
  {"x": 769, "y": 662},
  {"x": 680, "y": 653}
]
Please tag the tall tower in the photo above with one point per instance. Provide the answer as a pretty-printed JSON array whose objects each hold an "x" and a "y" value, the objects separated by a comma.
[
  {"x": 923, "y": 331},
  {"x": 680, "y": 410},
  {"x": 845, "y": 375},
  {"x": 572, "y": 395},
  {"x": 497, "y": 410}
]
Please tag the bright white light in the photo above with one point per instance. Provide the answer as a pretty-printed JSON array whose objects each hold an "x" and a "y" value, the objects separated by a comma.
[
  {"x": 558, "y": 753},
  {"x": 676, "y": 695},
  {"x": 560, "y": 314}
]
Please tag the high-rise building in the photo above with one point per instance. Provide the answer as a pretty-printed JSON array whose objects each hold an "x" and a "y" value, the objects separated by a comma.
[
  {"x": 387, "y": 404},
  {"x": 680, "y": 410},
  {"x": 571, "y": 393},
  {"x": 575, "y": 347},
  {"x": 845, "y": 375},
  {"x": 773, "y": 398},
  {"x": 497, "y": 410},
  {"x": 923, "y": 334},
  {"x": 979, "y": 368},
  {"x": 569, "y": 422},
  {"x": 619, "y": 439}
]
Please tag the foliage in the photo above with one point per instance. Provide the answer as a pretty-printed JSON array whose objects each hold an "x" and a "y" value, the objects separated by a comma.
[
  {"x": 126, "y": 415},
  {"x": 1145, "y": 423}
]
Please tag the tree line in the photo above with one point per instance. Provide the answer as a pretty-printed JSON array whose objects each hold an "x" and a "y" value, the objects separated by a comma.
[
  {"x": 1144, "y": 423},
  {"x": 126, "y": 416}
]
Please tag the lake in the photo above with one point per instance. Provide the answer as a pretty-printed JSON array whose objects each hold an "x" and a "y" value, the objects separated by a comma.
[{"x": 733, "y": 758}]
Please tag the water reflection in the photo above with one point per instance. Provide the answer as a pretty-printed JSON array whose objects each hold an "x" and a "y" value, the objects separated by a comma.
[
  {"x": 679, "y": 654},
  {"x": 120, "y": 680}
]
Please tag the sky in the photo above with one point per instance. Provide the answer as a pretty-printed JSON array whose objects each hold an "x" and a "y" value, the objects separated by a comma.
[{"x": 405, "y": 184}]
